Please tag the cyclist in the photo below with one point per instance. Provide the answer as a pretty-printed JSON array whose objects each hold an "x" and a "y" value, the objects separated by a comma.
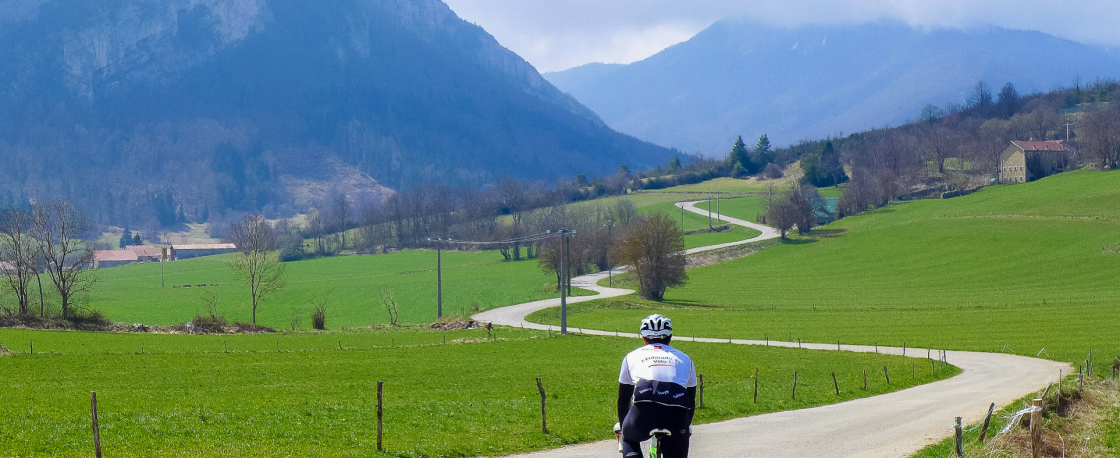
[{"x": 661, "y": 381}]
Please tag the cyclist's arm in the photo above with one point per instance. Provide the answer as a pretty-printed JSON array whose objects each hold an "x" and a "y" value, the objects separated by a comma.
[{"x": 625, "y": 393}]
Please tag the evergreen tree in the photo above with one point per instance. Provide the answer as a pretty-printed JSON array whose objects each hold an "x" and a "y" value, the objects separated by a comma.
[
  {"x": 763, "y": 154},
  {"x": 739, "y": 155},
  {"x": 675, "y": 164},
  {"x": 126, "y": 238},
  {"x": 823, "y": 168},
  {"x": 136, "y": 241}
]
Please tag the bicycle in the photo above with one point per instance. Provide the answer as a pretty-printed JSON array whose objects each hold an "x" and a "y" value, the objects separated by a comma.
[{"x": 656, "y": 436}]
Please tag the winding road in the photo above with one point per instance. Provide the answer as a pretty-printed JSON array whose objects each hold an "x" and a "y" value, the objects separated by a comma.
[{"x": 894, "y": 424}]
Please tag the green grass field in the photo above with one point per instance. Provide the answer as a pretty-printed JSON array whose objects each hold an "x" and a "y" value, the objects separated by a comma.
[
  {"x": 695, "y": 222},
  {"x": 185, "y": 397},
  {"x": 132, "y": 293},
  {"x": 1013, "y": 268}
]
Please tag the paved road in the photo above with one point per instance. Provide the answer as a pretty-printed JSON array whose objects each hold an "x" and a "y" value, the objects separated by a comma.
[
  {"x": 889, "y": 425},
  {"x": 767, "y": 231}
]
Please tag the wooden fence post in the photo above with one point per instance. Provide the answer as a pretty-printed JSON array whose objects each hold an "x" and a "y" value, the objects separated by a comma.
[
  {"x": 756, "y": 384},
  {"x": 876, "y": 347},
  {"x": 887, "y": 375},
  {"x": 96, "y": 428},
  {"x": 913, "y": 369},
  {"x": 834, "y": 384},
  {"x": 544, "y": 421},
  {"x": 987, "y": 419},
  {"x": 933, "y": 367},
  {"x": 904, "y": 349},
  {"x": 865, "y": 380},
  {"x": 700, "y": 388},
  {"x": 794, "y": 396},
  {"x": 32, "y": 343},
  {"x": 960, "y": 438},
  {"x": 1036, "y": 427},
  {"x": 225, "y": 345},
  {"x": 380, "y": 413},
  {"x": 837, "y": 345}
]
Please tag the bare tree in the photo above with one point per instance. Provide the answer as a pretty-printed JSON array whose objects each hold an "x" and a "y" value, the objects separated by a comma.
[
  {"x": 1099, "y": 132},
  {"x": 390, "y": 305},
  {"x": 654, "y": 247},
  {"x": 58, "y": 226},
  {"x": 317, "y": 224},
  {"x": 258, "y": 265},
  {"x": 340, "y": 213},
  {"x": 18, "y": 254}
]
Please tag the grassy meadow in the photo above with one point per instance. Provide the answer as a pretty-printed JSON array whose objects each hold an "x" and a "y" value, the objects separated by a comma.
[
  {"x": 132, "y": 293},
  {"x": 184, "y": 396},
  {"x": 1017, "y": 268}
]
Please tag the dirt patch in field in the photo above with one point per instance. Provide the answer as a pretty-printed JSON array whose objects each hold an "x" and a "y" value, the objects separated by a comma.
[{"x": 456, "y": 325}]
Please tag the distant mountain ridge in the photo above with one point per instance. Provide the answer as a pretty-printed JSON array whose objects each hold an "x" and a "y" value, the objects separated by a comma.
[
  {"x": 223, "y": 103},
  {"x": 743, "y": 78}
]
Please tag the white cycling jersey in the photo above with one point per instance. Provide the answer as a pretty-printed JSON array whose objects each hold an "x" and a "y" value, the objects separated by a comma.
[{"x": 655, "y": 362}]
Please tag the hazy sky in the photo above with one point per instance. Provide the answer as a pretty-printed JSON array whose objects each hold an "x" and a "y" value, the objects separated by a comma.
[{"x": 560, "y": 34}]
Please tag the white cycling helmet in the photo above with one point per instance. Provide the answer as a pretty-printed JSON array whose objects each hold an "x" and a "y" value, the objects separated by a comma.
[{"x": 657, "y": 327}]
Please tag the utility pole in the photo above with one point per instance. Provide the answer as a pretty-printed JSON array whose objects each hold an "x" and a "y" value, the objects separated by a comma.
[
  {"x": 564, "y": 274},
  {"x": 568, "y": 255},
  {"x": 709, "y": 211},
  {"x": 610, "y": 242},
  {"x": 717, "y": 202},
  {"x": 439, "y": 277}
]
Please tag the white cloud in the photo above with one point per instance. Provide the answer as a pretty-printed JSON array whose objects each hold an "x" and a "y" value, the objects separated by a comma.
[{"x": 559, "y": 34}]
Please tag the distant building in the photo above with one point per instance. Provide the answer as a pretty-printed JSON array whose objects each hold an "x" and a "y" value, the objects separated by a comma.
[
  {"x": 180, "y": 252},
  {"x": 1024, "y": 161},
  {"x": 147, "y": 253},
  {"x": 113, "y": 258}
]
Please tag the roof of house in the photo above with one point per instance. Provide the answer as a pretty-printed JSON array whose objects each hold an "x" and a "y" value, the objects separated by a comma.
[
  {"x": 114, "y": 255},
  {"x": 6, "y": 267},
  {"x": 1052, "y": 145},
  {"x": 206, "y": 246},
  {"x": 146, "y": 250}
]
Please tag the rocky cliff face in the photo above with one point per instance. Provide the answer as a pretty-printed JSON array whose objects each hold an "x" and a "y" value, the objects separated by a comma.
[{"x": 215, "y": 101}]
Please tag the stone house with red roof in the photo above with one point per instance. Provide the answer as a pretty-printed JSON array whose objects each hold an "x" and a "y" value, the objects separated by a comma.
[
  {"x": 113, "y": 258},
  {"x": 1024, "y": 161}
]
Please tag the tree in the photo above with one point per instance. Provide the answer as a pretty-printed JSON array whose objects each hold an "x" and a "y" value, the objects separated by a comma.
[
  {"x": 17, "y": 255},
  {"x": 136, "y": 240},
  {"x": 340, "y": 211},
  {"x": 931, "y": 113},
  {"x": 257, "y": 266},
  {"x": 58, "y": 226},
  {"x": 763, "y": 154},
  {"x": 797, "y": 207},
  {"x": 740, "y": 155},
  {"x": 1008, "y": 99},
  {"x": 1099, "y": 132},
  {"x": 126, "y": 238},
  {"x": 654, "y": 247},
  {"x": 823, "y": 168},
  {"x": 981, "y": 95}
]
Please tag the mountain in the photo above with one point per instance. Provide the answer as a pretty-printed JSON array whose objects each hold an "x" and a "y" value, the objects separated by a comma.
[
  {"x": 743, "y": 78},
  {"x": 197, "y": 107}
]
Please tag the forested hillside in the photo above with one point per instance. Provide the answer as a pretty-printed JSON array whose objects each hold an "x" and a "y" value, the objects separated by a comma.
[
  {"x": 170, "y": 111},
  {"x": 744, "y": 78}
]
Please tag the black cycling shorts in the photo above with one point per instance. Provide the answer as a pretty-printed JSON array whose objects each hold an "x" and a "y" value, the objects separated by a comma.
[{"x": 644, "y": 417}]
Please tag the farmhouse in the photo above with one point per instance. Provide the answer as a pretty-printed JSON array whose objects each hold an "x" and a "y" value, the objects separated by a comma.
[
  {"x": 113, "y": 258},
  {"x": 178, "y": 252},
  {"x": 147, "y": 253},
  {"x": 1023, "y": 161}
]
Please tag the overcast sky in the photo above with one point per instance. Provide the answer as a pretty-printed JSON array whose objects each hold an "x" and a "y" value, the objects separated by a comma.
[{"x": 560, "y": 34}]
